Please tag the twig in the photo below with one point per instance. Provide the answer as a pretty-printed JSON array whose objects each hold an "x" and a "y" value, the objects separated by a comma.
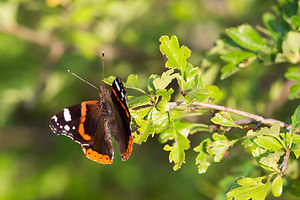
[{"x": 256, "y": 118}]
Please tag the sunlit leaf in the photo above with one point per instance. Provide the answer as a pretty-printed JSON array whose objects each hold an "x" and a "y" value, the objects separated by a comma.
[
  {"x": 295, "y": 91},
  {"x": 237, "y": 57},
  {"x": 138, "y": 101},
  {"x": 277, "y": 186},
  {"x": 295, "y": 21},
  {"x": 247, "y": 37},
  {"x": 132, "y": 80},
  {"x": 268, "y": 142},
  {"x": 290, "y": 48},
  {"x": 249, "y": 188},
  {"x": 165, "y": 79},
  {"x": 201, "y": 159},
  {"x": 177, "y": 154},
  {"x": 218, "y": 146},
  {"x": 293, "y": 74},
  {"x": 296, "y": 145},
  {"x": 199, "y": 95},
  {"x": 228, "y": 70},
  {"x": 176, "y": 56},
  {"x": 271, "y": 160},
  {"x": 224, "y": 119},
  {"x": 296, "y": 119}
]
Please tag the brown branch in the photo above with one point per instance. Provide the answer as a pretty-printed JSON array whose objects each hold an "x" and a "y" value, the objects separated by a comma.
[{"x": 257, "y": 118}]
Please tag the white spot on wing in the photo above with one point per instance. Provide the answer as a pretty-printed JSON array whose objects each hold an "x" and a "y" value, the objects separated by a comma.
[
  {"x": 54, "y": 118},
  {"x": 117, "y": 85},
  {"x": 67, "y": 115},
  {"x": 67, "y": 128},
  {"x": 73, "y": 127}
]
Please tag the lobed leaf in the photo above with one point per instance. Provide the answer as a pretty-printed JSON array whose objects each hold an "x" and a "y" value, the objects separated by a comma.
[
  {"x": 176, "y": 56},
  {"x": 201, "y": 159},
  {"x": 224, "y": 119},
  {"x": 249, "y": 188},
  {"x": 177, "y": 154},
  {"x": 271, "y": 161},
  {"x": 166, "y": 78},
  {"x": 218, "y": 146}
]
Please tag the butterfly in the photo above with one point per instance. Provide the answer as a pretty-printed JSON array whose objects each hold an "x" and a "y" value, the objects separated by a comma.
[{"x": 93, "y": 123}]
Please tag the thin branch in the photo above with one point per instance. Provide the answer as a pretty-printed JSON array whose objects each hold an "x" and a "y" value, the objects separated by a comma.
[{"x": 256, "y": 118}]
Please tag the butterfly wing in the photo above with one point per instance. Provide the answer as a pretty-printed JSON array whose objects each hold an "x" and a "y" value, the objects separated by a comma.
[
  {"x": 84, "y": 124},
  {"x": 121, "y": 125}
]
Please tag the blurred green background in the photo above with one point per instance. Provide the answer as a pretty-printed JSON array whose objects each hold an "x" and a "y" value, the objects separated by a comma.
[{"x": 41, "y": 39}]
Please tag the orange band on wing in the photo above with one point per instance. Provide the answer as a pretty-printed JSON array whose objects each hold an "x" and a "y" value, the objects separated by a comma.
[
  {"x": 82, "y": 119},
  {"x": 95, "y": 156},
  {"x": 126, "y": 155},
  {"x": 121, "y": 103}
]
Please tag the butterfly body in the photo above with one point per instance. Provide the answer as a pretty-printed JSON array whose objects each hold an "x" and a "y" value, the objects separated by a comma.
[{"x": 93, "y": 123}]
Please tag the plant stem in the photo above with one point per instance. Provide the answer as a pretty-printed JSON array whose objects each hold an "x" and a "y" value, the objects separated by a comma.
[{"x": 256, "y": 118}]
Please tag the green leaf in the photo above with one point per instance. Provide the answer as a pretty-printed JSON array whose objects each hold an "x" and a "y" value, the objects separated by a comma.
[
  {"x": 236, "y": 57},
  {"x": 228, "y": 70},
  {"x": 132, "y": 80},
  {"x": 249, "y": 188},
  {"x": 296, "y": 145},
  {"x": 269, "y": 143},
  {"x": 293, "y": 74},
  {"x": 144, "y": 131},
  {"x": 271, "y": 161},
  {"x": 177, "y": 154},
  {"x": 296, "y": 119},
  {"x": 290, "y": 48},
  {"x": 275, "y": 130},
  {"x": 109, "y": 80},
  {"x": 224, "y": 119},
  {"x": 273, "y": 25},
  {"x": 295, "y": 91},
  {"x": 277, "y": 186},
  {"x": 199, "y": 95},
  {"x": 176, "y": 56},
  {"x": 151, "y": 87},
  {"x": 295, "y": 21},
  {"x": 138, "y": 101},
  {"x": 166, "y": 95},
  {"x": 165, "y": 80},
  {"x": 219, "y": 146},
  {"x": 247, "y": 37},
  {"x": 184, "y": 128},
  {"x": 215, "y": 92},
  {"x": 191, "y": 79},
  {"x": 201, "y": 159}
]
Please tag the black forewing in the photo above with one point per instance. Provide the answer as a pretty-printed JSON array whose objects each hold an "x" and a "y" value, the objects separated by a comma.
[{"x": 122, "y": 130}]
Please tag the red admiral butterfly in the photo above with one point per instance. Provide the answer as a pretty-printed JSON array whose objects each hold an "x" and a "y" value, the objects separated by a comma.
[{"x": 92, "y": 123}]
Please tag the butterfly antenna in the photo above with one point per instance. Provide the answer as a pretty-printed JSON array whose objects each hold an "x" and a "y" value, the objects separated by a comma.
[
  {"x": 83, "y": 79},
  {"x": 102, "y": 54}
]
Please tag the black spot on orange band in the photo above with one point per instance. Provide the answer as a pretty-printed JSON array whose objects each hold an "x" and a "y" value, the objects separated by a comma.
[{"x": 95, "y": 156}]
